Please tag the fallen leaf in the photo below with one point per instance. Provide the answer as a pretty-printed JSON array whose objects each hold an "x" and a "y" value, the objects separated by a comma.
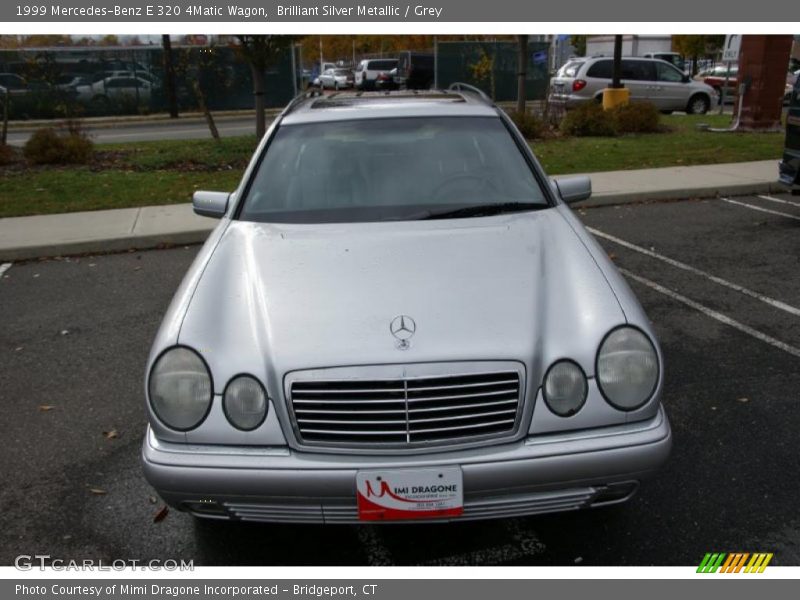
[
  {"x": 112, "y": 434},
  {"x": 612, "y": 256},
  {"x": 743, "y": 400},
  {"x": 161, "y": 514},
  {"x": 46, "y": 407},
  {"x": 98, "y": 491}
]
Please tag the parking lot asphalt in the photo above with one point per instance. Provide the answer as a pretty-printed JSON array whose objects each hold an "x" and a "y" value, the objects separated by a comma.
[{"x": 717, "y": 277}]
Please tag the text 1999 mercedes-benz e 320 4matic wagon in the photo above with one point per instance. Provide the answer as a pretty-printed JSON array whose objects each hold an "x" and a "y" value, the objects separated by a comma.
[{"x": 398, "y": 317}]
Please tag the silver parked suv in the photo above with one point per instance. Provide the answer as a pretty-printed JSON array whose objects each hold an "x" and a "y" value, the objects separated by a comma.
[
  {"x": 654, "y": 80},
  {"x": 398, "y": 317}
]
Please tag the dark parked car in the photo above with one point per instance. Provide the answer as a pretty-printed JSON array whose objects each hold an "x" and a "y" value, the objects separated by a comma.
[
  {"x": 415, "y": 71},
  {"x": 387, "y": 80},
  {"x": 790, "y": 165}
]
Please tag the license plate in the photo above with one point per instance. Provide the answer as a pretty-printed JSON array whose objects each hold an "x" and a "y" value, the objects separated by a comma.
[{"x": 393, "y": 495}]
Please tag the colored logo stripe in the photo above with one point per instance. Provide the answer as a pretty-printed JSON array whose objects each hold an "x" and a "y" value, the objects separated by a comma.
[{"x": 734, "y": 562}]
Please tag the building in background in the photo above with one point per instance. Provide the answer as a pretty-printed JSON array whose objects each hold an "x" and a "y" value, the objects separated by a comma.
[{"x": 632, "y": 45}]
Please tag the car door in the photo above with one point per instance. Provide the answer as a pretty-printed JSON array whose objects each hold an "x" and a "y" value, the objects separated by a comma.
[
  {"x": 639, "y": 76},
  {"x": 672, "y": 90}
]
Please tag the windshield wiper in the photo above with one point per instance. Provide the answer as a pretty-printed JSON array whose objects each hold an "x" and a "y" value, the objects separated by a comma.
[{"x": 481, "y": 210}]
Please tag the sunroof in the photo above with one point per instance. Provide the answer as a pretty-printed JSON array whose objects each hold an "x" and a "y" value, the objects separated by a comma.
[{"x": 345, "y": 100}]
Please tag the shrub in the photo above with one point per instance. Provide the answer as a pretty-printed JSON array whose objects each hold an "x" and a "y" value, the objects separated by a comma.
[
  {"x": 636, "y": 117},
  {"x": 529, "y": 125},
  {"x": 50, "y": 146},
  {"x": 588, "y": 119}
]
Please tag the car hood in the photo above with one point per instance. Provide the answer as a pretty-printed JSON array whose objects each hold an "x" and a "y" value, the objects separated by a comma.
[{"x": 275, "y": 298}]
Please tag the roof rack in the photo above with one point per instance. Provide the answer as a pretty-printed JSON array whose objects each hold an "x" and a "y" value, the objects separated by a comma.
[
  {"x": 458, "y": 86},
  {"x": 299, "y": 98}
]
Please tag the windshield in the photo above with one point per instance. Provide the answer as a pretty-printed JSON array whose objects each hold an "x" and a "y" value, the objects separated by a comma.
[{"x": 387, "y": 169}]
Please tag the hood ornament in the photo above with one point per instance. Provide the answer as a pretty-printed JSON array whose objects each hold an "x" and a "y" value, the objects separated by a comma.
[{"x": 403, "y": 328}]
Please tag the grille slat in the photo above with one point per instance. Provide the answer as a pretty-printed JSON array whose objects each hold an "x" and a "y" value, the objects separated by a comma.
[{"x": 430, "y": 410}]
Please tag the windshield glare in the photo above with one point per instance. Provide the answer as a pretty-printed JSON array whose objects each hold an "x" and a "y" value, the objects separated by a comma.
[{"x": 387, "y": 169}]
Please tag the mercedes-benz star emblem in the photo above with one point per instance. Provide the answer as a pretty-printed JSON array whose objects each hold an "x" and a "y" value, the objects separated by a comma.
[{"x": 403, "y": 328}]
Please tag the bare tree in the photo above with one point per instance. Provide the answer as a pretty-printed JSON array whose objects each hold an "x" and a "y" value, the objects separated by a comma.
[{"x": 261, "y": 52}]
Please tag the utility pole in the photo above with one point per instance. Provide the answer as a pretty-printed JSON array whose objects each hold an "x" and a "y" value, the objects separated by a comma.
[{"x": 616, "y": 94}]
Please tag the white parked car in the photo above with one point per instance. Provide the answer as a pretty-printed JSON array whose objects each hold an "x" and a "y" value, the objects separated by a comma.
[
  {"x": 116, "y": 89},
  {"x": 368, "y": 70},
  {"x": 336, "y": 79}
]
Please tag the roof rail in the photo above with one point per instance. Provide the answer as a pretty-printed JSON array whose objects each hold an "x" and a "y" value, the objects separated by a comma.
[
  {"x": 458, "y": 86},
  {"x": 299, "y": 98}
]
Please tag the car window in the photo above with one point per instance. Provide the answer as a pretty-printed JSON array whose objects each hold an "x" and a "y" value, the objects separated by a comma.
[
  {"x": 602, "y": 69},
  {"x": 387, "y": 169},
  {"x": 668, "y": 73},
  {"x": 571, "y": 69},
  {"x": 638, "y": 70},
  {"x": 382, "y": 65}
]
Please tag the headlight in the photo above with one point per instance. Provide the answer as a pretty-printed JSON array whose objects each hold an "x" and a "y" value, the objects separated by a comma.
[
  {"x": 627, "y": 368},
  {"x": 180, "y": 388},
  {"x": 245, "y": 403},
  {"x": 565, "y": 388}
]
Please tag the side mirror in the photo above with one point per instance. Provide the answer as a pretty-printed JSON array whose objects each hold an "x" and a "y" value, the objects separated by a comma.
[
  {"x": 686, "y": 79},
  {"x": 210, "y": 204},
  {"x": 574, "y": 189}
]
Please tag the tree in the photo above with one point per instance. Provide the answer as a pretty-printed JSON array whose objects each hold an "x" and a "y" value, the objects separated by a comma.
[
  {"x": 169, "y": 77},
  {"x": 522, "y": 71},
  {"x": 697, "y": 46},
  {"x": 261, "y": 52},
  {"x": 109, "y": 40},
  {"x": 579, "y": 43}
]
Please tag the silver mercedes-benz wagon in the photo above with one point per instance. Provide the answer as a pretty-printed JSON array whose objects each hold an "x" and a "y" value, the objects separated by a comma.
[{"x": 399, "y": 318}]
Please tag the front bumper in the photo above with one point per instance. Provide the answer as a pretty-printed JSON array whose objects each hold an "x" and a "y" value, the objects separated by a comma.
[{"x": 543, "y": 473}]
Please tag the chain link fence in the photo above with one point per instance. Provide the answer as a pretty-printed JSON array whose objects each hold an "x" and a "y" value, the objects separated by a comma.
[
  {"x": 492, "y": 66},
  {"x": 76, "y": 82}
]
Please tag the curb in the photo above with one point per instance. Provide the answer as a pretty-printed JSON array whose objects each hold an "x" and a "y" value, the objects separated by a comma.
[
  {"x": 132, "y": 121},
  {"x": 738, "y": 189},
  {"x": 199, "y": 235},
  {"x": 104, "y": 246}
]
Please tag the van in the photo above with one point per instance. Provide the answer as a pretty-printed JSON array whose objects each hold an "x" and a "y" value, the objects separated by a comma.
[
  {"x": 789, "y": 168},
  {"x": 653, "y": 80}
]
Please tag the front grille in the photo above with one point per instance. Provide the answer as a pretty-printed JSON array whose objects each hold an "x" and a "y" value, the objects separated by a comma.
[{"x": 408, "y": 411}]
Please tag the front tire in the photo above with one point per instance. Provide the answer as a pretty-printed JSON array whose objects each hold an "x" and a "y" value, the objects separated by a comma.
[{"x": 698, "y": 105}]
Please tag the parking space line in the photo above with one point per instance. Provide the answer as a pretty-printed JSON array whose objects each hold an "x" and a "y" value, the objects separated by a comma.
[
  {"x": 714, "y": 314},
  {"x": 4, "y": 267},
  {"x": 761, "y": 209},
  {"x": 680, "y": 265},
  {"x": 781, "y": 200}
]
